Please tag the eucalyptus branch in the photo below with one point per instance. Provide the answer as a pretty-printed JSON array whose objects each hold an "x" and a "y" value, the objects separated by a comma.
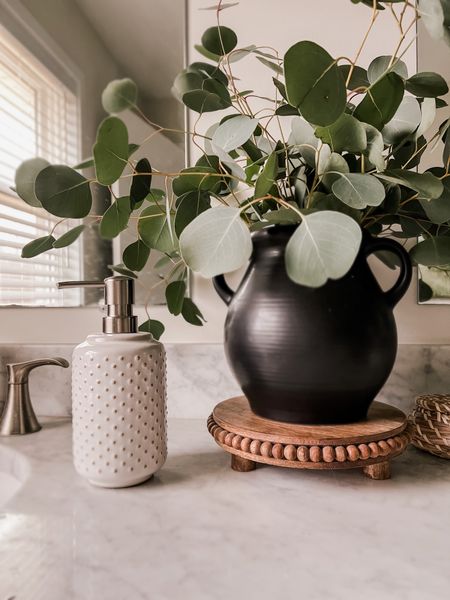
[{"x": 375, "y": 13}]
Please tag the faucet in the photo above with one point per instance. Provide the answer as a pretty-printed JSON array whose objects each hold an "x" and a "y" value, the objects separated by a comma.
[{"x": 18, "y": 416}]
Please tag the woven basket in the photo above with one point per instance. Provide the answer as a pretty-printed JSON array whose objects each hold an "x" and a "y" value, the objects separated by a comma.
[{"x": 430, "y": 424}]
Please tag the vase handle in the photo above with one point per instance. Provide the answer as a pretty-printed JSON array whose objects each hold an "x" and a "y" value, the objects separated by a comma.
[
  {"x": 223, "y": 289},
  {"x": 400, "y": 287}
]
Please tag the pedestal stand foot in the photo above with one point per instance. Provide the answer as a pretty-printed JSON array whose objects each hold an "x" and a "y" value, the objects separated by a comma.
[
  {"x": 242, "y": 464},
  {"x": 378, "y": 471}
]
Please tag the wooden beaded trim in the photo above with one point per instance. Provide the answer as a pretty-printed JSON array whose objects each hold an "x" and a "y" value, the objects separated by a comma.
[{"x": 309, "y": 454}]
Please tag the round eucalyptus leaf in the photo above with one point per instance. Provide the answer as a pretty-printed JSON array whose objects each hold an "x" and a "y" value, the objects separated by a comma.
[
  {"x": 427, "y": 185},
  {"x": 432, "y": 252},
  {"x": 115, "y": 218},
  {"x": 189, "y": 207},
  {"x": 438, "y": 209},
  {"x": 336, "y": 164},
  {"x": 25, "y": 179},
  {"x": 408, "y": 153},
  {"x": 186, "y": 81},
  {"x": 175, "y": 293},
  {"x": 156, "y": 328},
  {"x": 358, "y": 78},
  {"x": 110, "y": 150},
  {"x": 198, "y": 178},
  {"x": 141, "y": 183},
  {"x": 375, "y": 147},
  {"x": 219, "y": 40},
  {"x": 358, "y": 190},
  {"x": 320, "y": 201},
  {"x": 191, "y": 313},
  {"x": 345, "y": 134},
  {"x": 135, "y": 255},
  {"x": 323, "y": 247},
  {"x": 427, "y": 85},
  {"x": 405, "y": 121},
  {"x": 119, "y": 95},
  {"x": 381, "y": 101},
  {"x": 233, "y": 133},
  {"x": 63, "y": 192},
  {"x": 154, "y": 230},
  {"x": 69, "y": 237},
  {"x": 380, "y": 65},
  {"x": 202, "y": 101},
  {"x": 207, "y": 70},
  {"x": 303, "y": 138},
  {"x": 38, "y": 246},
  {"x": 314, "y": 83},
  {"x": 216, "y": 242}
]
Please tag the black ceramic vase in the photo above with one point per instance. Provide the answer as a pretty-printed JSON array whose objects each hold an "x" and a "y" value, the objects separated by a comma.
[{"x": 311, "y": 355}]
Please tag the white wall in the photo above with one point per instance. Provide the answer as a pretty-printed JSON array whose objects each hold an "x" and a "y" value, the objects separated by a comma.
[{"x": 336, "y": 24}]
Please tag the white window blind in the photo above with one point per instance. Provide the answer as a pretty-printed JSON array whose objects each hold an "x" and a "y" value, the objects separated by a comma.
[{"x": 39, "y": 116}]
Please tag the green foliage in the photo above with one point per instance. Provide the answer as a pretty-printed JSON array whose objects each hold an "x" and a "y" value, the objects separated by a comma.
[
  {"x": 122, "y": 270},
  {"x": 201, "y": 178},
  {"x": 219, "y": 40},
  {"x": 427, "y": 85},
  {"x": 69, "y": 237},
  {"x": 347, "y": 133},
  {"x": 190, "y": 205},
  {"x": 63, "y": 192},
  {"x": 141, "y": 184},
  {"x": 266, "y": 180},
  {"x": 119, "y": 95},
  {"x": 358, "y": 190},
  {"x": 156, "y": 328},
  {"x": 314, "y": 83},
  {"x": 323, "y": 247},
  {"x": 426, "y": 185},
  {"x": 115, "y": 218},
  {"x": 381, "y": 101},
  {"x": 358, "y": 78},
  {"x": 386, "y": 64},
  {"x": 38, "y": 246},
  {"x": 191, "y": 313},
  {"x": 135, "y": 255},
  {"x": 155, "y": 230},
  {"x": 348, "y": 164},
  {"x": 110, "y": 150},
  {"x": 26, "y": 177},
  {"x": 216, "y": 242},
  {"x": 432, "y": 252},
  {"x": 175, "y": 293}
]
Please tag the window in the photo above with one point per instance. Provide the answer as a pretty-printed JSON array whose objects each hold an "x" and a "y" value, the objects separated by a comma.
[{"x": 39, "y": 116}]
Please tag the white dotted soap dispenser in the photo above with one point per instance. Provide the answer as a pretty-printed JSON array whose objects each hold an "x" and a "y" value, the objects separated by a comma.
[{"x": 118, "y": 395}]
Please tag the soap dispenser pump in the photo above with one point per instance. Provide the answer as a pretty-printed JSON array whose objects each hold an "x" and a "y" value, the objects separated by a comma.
[{"x": 118, "y": 395}]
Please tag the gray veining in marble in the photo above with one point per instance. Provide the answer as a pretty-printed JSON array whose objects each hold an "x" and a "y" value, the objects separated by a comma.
[
  {"x": 200, "y": 531},
  {"x": 199, "y": 377}
]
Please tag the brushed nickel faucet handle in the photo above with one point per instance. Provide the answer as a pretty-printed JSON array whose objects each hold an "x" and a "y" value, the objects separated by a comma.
[{"x": 18, "y": 416}]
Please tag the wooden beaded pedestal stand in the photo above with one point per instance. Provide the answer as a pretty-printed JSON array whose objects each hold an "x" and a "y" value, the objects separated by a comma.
[{"x": 369, "y": 445}]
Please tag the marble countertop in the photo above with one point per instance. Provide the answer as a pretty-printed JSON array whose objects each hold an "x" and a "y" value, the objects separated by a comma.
[{"x": 200, "y": 531}]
